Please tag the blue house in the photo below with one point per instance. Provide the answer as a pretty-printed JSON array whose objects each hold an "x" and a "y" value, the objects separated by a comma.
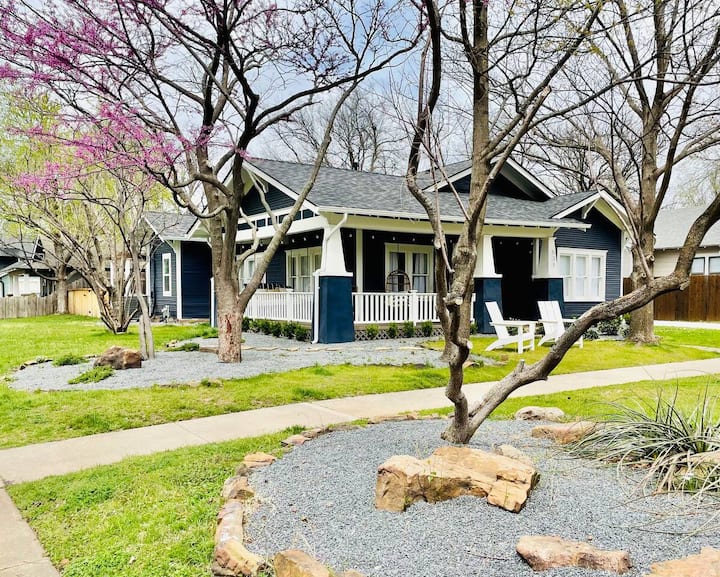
[{"x": 360, "y": 249}]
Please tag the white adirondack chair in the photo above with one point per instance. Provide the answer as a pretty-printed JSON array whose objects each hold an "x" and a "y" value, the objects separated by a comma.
[
  {"x": 553, "y": 323},
  {"x": 525, "y": 330}
]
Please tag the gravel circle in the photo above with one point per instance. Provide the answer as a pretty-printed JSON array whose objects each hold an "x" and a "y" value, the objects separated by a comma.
[
  {"x": 261, "y": 354},
  {"x": 319, "y": 498}
]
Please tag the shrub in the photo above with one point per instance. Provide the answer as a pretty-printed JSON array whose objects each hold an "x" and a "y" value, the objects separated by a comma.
[
  {"x": 426, "y": 328},
  {"x": 302, "y": 333},
  {"x": 276, "y": 328},
  {"x": 393, "y": 331},
  {"x": 372, "y": 332},
  {"x": 94, "y": 375},
  {"x": 290, "y": 328},
  {"x": 473, "y": 328},
  {"x": 408, "y": 329},
  {"x": 69, "y": 359},
  {"x": 246, "y": 322},
  {"x": 592, "y": 334},
  {"x": 663, "y": 440},
  {"x": 263, "y": 326}
]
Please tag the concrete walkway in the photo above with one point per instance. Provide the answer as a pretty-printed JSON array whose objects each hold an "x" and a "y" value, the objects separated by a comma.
[{"x": 22, "y": 556}]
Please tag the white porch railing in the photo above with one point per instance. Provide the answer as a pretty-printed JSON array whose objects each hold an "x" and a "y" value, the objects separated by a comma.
[
  {"x": 372, "y": 308},
  {"x": 281, "y": 306},
  {"x": 369, "y": 308}
]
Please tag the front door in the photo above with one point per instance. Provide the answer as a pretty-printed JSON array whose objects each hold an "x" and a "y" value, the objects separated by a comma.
[{"x": 513, "y": 260}]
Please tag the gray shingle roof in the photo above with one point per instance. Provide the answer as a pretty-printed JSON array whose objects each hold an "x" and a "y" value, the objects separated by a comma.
[
  {"x": 170, "y": 226},
  {"x": 369, "y": 193},
  {"x": 672, "y": 225}
]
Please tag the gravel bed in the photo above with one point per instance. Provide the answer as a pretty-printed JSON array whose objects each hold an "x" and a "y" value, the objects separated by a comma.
[
  {"x": 319, "y": 498},
  {"x": 262, "y": 354}
]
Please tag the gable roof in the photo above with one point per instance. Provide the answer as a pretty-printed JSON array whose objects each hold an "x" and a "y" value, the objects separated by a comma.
[
  {"x": 171, "y": 226},
  {"x": 673, "y": 224},
  {"x": 350, "y": 191}
]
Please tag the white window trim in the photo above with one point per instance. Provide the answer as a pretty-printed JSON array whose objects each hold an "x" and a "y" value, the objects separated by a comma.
[
  {"x": 311, "y": 252},
  {"x": 244, "y": 270},
  {"x": 166, "y": 258},
  {"x": 568, "y": 291},
  {"x": 409, "y": 249}
]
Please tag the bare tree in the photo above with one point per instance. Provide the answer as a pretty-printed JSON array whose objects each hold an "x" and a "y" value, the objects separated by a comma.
[
  {"x": 651, "y": 85},
  {"x": 496, "y": 50},
  {"x": 363, "y": 135},
  {"x": 199, "y": 83}
]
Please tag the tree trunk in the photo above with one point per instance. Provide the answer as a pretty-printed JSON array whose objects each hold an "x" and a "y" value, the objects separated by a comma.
[
  {"x": 229, "y": 321},
  {"x": 61, "y": 289},
  {"x": 642, "y": 320},
  {"x": 147, "y": 343}
]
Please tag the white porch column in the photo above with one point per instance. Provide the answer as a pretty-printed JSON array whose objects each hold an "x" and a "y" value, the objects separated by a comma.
[
  {"x": 333, "y": 259},
  {"x": 545, "y": 258},
  {"x": 485, "y": 264}
]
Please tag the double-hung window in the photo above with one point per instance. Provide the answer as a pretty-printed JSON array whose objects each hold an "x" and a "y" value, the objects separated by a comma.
[
  {"x": 413, "y": 260},
  {"x": 301, "y": 264},
  {"x": 583, "y": 274},
  {"x": 167, "y": 274}
]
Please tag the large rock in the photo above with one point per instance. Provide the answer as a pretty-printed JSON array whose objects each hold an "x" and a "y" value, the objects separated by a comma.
[
  {"x": 238, "y": 487},
  {"x": 533, "y": 413},
  {"x": 705, "y": 564},
  {"x": 230, "y": 557},
  {"x": 451, "y": 472},
  {"x": 564, "y": 433},
  {"x": 514, "y": 453},
  {"x": 119, "y": 358},
  {"x": 257, "y": 460},
  {"x": 296, "y": 563},
  {"x": 547, "y": 552}
]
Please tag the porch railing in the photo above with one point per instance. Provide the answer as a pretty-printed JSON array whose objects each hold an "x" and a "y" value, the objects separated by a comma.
[
  {"x": 281, "y": 306},
  {"x": 377, "y": 308}
]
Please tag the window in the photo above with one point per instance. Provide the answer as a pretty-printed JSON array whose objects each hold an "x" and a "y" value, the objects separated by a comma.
[
  {"x": 248, "y": 269},
  {"x": 415, "y": 261},
  {"x": 714, "y": 267},
  {"x": 583, "y": 274},
  {"x": 698, "y": 265},
  {"x": 301, "y": 264},
  {"x": 167, "y": 274}
]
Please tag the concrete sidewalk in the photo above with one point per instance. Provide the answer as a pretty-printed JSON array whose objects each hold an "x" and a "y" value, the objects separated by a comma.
[{"x": 21, "y": 555}]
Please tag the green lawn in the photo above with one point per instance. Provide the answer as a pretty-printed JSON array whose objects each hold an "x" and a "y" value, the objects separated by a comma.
[
  {"x": 32, "y": 417},
  {"x": 155, "y": 516}
]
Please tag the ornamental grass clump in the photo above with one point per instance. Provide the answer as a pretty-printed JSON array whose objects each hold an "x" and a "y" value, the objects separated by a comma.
[{"x": 674, "y": 448}]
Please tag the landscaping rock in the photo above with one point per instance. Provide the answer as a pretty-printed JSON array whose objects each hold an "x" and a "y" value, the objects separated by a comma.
[
  {"x": 548, "y": 552},
  {"x": 294, "y": 440},
  {"x": 514, "y": 453},
  {"x": 540, "y": 414},
  {"x": 296, "y": 563},
  {"x": 119, "y": 358},
  {"x": 351, "y": 573},
  {"x": 230, "y": 557},
  {"x": 256, "y": 460},
  {"x": 704, "y": 564},
  {"x": 451, "y": 472},
  {"x": 564, "y": 433},
  {"x": 238, "y": 487}
]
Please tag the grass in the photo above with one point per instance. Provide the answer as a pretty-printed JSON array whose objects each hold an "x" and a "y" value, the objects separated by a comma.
[
  {"x": 35, "y": 417},
  {"x": 94, "y": 375},
  {"x": 144, "y": 517},
  {"x": 155, "y": 516}
]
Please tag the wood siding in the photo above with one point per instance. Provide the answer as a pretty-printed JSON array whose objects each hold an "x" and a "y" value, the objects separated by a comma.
[
  {"x": 699, "y": 302},
  {"x": 158, "y": 300},
  {"x": 603, "y": 235}
]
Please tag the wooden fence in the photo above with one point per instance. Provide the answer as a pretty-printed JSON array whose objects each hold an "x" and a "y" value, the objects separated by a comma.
[
  {"x": 27, "y": 306},
  {"x": 699, "y": 302},
  {"x": 83, "y": 302}
]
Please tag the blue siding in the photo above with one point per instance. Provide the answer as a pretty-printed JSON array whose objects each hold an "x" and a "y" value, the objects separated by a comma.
[
  {"x": 603, "y": 235},
  {"x": 158, "y": 300},
  {"x": 274, "y": 197},
  {"x": 195, "y": 277}
]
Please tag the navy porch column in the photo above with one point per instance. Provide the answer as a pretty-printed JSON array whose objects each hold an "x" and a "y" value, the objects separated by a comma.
[
  {"x": 549, "y": 289},
  {"x": 335, "y": 309},
  {"x": 486, "y": 289}
]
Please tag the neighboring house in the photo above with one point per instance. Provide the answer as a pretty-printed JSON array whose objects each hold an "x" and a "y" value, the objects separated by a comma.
[
  {"x": 179, "y": 273},
  {"x": 21, "y": 269},
  {"x": 671, "y": 228},
  {"x": 361, "y": 250}
]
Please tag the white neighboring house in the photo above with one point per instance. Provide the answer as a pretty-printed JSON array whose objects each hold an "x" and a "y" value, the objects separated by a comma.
[
  {"x": 17, "y": 276},
  {"x": 671, "y": 228}
]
